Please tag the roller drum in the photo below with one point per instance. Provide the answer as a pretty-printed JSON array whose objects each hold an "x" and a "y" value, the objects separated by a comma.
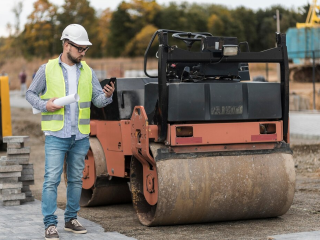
[
  {"x": 219, "y": 188},
  {"x": 111, "y": 192},
  {"x": 106, "y": 190}
]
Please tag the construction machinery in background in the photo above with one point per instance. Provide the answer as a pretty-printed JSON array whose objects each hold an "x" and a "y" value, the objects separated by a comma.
[
  {"x": 5, "y": 119},
  {"x": 313, "y": 19},
  {"x": 198, "y": 142},
  {"x": 304, "y": 47}
]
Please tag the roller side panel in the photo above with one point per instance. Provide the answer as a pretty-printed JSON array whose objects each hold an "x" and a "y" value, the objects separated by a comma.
[
  {"x": 99, "y": 187},
  {"x": 110, "y": 135}
]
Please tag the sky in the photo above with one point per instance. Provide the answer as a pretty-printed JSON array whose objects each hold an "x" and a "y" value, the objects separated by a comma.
[{"x": 7, "y": 15}]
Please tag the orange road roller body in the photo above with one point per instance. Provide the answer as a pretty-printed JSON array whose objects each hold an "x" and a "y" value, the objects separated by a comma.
[{"x": 197, "y": 143}]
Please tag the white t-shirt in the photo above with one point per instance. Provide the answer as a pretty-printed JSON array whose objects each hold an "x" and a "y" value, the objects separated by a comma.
[{"x": 72, "y": 84}]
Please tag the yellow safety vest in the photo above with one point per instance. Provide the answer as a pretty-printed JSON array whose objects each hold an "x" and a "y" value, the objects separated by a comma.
[{"x": 54, "y": 121}]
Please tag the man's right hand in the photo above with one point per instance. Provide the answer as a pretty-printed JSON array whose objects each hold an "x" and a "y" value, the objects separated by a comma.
[{"x": 51, "y": 107}]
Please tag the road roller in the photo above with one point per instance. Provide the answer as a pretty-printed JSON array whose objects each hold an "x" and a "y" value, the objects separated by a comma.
[{"x": 199, "y": 142}]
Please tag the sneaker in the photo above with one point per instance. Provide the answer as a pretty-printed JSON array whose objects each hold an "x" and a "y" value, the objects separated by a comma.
[
  {"x": 74, "y": 226},
  {"x": 51, "y": 233}
]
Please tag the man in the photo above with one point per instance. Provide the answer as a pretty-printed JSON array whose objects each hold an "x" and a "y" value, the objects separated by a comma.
[
  {"x": 23, "y": 78},
  {"x": 66, "y": 128}
]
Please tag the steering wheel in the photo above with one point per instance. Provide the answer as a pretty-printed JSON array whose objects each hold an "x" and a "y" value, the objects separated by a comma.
[{"x": 189, "y": 37}]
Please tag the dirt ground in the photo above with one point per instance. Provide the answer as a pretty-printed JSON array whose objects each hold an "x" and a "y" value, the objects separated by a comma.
[{"x": 304, "y": 214}]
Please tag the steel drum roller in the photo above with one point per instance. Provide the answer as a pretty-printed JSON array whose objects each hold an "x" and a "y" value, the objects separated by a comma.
[{"x": 219, "y": 188}]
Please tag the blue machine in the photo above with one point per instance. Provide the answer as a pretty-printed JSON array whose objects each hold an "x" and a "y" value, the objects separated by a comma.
[{"x": 301, "y": 42}]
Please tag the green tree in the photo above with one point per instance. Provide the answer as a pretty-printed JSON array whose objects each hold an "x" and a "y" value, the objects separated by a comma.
[
  {"x": 38, "y": 35},
  {"x": 17, "y": 9},
  {"x": 248, "y": 21},
  {"x": 266, "y": 34},
  {"x": 137, "y": 46},
  {"x": 127, "y": 21},
  {"x": 173, "y": 17},
  {"x": 231, "y": 26},
  {"x": 182, "y": 17},
  {"x": 215, "y": 25},
  {"x": 267, "y": 26},
  {"x": 197, "y": 17},
  {"x": 11, "y": 46},
  {"x": 104, "y": 30},
  {"x": 142, "y": 12},
  {"x": 120, "y": 31}
]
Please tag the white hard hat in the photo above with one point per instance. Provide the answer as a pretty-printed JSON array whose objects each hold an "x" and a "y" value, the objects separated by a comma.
[{"x": 77, "y": 34}]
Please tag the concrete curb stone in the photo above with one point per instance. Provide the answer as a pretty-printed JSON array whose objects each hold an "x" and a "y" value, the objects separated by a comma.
[
  {"x": 5, "y": 162},
  {"x": 11, "y": 203},
  {"x": 9, "y": 180},
  {"x": 10, "y": 191},
  {"x": 27, "y": 183},
  {"x": 27, "y": 171},
  {"x": 15, "y": 139},
  {"x": 27, "y": 166},
  {"x": 10, "y": 174},
  {"x": 13, "y": 196},
  {"x": 15, "y": 145},
  {"x": 11, "y": 168},
  {"x": 18, "y": 150},
  {"x": 26, "y": 177},
  {"x": 10, "y": 185},
  {"x": 315, "y": 235},
  {"x": 27, "y": 199}
]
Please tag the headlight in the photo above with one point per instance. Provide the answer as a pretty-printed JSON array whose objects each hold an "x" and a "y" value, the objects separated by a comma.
[{"x": 230, "y": 50}]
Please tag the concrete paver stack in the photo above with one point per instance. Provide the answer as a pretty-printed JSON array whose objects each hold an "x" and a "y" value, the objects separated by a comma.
[
  {"x": 16, "y": 173},
  {"x": 27, "y": 179},
  {"x": 10, "y": 187}
]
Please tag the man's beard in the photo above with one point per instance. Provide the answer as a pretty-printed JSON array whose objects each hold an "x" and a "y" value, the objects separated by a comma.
[{"x": 73, "y": 59}]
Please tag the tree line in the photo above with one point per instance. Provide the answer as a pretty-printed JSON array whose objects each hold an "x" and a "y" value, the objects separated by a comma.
[{"x": 126, "y": 31}]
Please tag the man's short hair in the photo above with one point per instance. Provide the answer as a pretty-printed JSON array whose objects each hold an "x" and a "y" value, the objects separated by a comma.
[{"x": 63, "y": 41}]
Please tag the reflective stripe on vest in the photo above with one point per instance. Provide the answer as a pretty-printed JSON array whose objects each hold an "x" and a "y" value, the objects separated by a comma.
[
  {"x": 55, "y": 85},
  {"x": 84, "y": 121},
  {"x": 85, "y": 104},
  {"x": 51, "y": 117}
]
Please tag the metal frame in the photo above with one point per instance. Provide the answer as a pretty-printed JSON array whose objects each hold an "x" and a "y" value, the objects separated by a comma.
[{"x": 168, "y": 54}]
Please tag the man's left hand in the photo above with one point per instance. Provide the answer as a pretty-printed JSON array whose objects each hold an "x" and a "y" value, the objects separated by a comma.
[{"x": 108, "y": 90}]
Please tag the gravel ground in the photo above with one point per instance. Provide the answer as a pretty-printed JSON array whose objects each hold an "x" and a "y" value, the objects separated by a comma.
[{"x": 303, "y": 216}]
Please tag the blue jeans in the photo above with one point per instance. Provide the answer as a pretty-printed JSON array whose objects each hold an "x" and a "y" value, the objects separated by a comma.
[{"x": 55, "y": 151}]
